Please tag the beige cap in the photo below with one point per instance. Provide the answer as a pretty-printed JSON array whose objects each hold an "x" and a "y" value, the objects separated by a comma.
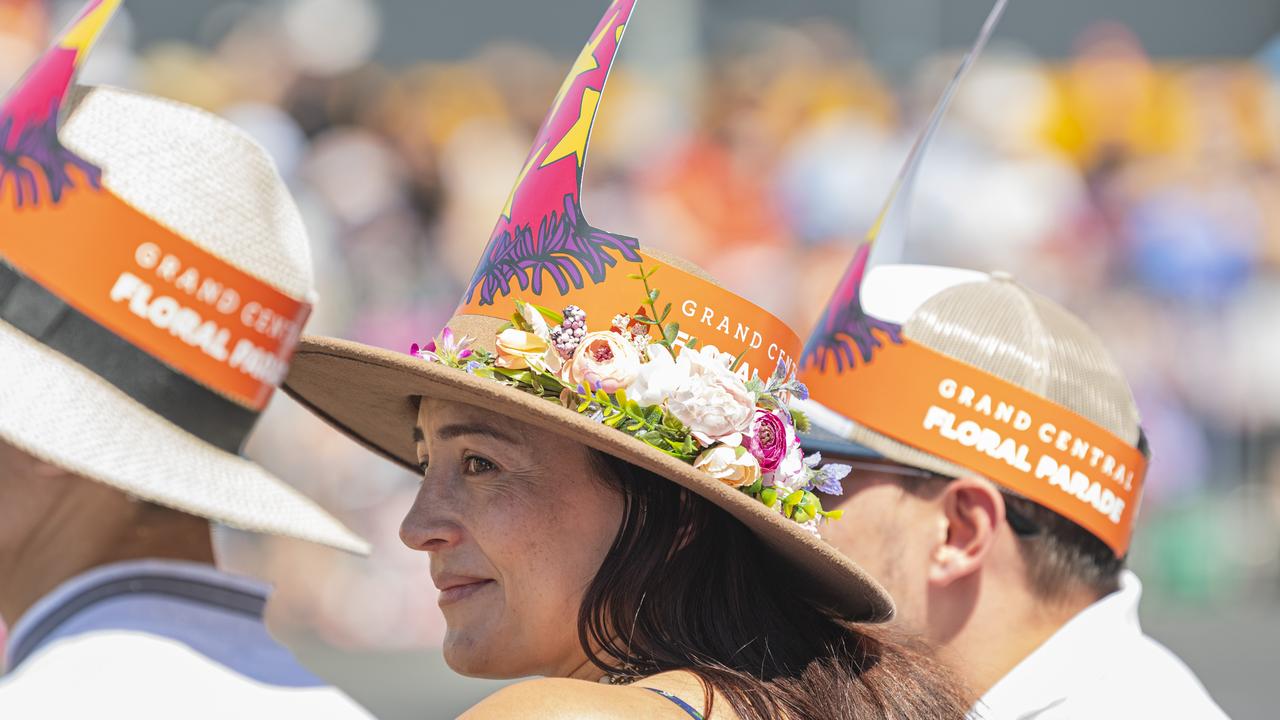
[{"x": 992, "y": 322}]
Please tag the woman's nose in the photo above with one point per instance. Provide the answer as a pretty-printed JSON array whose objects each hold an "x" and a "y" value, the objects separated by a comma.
[{"x": 429, "y": 525}]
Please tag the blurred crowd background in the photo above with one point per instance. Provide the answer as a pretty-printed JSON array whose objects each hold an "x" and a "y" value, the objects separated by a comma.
[{"x": 1141, "y": 189}]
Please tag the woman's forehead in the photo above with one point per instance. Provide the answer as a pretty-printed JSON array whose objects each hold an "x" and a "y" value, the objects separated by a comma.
[
  {"x": 446, "y": 420},
  {"x": 434, "y": 412}
]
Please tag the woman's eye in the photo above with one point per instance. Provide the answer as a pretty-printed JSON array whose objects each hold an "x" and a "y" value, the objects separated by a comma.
[{"x": 476, "y": 465}]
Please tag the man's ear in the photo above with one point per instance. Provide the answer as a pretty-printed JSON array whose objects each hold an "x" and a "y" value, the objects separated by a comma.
[{"x": 971, "y": 512}]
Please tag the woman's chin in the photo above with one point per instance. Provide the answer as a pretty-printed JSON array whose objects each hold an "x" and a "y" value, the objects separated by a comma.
[{"x": 478, "y": 656}]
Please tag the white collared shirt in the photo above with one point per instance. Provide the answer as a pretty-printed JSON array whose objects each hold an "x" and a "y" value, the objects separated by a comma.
[
  {"x": 1100, "y": 665},
  {"x": 157, "y": 639}
]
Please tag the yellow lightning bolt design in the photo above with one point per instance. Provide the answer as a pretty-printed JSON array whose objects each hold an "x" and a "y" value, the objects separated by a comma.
[
  {"x": 82, "y": 34},
  {"x": 585, "y": 63},
  {"x": 574, "y": 141}
]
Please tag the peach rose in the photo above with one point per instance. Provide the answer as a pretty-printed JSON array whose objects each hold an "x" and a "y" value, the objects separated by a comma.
[
  {"x": 518, "y": 350},
  {"x": 603, "y": 360},
  {"x": 733, "y": 466}
]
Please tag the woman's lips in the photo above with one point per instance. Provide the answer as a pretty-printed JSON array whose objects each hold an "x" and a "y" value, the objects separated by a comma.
[{"x": 462, "y": 591}]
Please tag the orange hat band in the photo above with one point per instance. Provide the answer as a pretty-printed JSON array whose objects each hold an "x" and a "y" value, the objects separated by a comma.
[
  {"x": 703, "y": 310},
  {"x": 181, "y": 305},
  {"x": 967, "y": 416}
]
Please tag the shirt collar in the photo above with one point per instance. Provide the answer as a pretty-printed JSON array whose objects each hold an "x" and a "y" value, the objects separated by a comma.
[
  {"x": 197, "y": 586},
  {"x": 1037, "y": 683}
]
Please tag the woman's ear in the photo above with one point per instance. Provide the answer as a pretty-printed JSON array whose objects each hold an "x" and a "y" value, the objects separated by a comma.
[{"x": 971, "y": 510}]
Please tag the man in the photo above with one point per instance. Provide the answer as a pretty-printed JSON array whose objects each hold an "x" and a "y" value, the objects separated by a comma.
[
  {"x": 998, "y": 462},
  {"x": 154, "y": 276}
]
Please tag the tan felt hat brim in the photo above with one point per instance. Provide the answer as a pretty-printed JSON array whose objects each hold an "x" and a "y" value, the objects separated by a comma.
[
  {"x": 56, "y": 410},
  {"x": 371, "y": 394}
]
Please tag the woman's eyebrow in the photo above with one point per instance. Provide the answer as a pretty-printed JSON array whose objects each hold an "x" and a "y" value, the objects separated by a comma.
[{"x": 449, "y": 432}]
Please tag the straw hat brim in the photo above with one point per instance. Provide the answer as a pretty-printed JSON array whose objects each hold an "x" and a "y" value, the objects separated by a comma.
[
  {"x": 59, "y": 412},
  {"x": 372, "y": 395}
]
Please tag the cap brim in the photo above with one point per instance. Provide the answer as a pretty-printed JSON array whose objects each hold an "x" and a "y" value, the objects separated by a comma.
[
  {"x": 840, "y": 437},
  {"x": 58, "y": 411},
  {"x": 372, "y": 395},
  {"x": 833, "y": 446}
]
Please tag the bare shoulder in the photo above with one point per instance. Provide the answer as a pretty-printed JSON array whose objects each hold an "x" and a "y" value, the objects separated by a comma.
[{"x": 561, "y": 699}]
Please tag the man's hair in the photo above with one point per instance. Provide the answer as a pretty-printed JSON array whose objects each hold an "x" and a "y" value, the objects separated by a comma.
[{"x": 1060, "y": 555}]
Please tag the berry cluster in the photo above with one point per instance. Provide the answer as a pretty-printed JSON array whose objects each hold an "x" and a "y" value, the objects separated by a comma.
[
  {"x": 567, "y": 335},
  {"x": 633, "y": 330}
]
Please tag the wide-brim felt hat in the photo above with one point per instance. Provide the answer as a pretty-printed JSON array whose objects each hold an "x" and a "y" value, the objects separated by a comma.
[
  {"x": 544, "y": 252},
  {"x": 108, "y": 191},
  {"x": 372, "y": 395}
]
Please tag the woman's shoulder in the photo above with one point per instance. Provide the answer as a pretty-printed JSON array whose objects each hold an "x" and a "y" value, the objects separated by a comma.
[{"x": 562, "y": 699}]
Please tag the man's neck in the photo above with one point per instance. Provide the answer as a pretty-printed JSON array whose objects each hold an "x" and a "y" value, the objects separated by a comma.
[
  {"x": 52, "y": 558},
  {"x": 1004, "y": 626}
]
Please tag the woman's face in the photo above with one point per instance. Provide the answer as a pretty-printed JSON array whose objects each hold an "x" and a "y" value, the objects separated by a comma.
[{"x": 517, "y": 523}]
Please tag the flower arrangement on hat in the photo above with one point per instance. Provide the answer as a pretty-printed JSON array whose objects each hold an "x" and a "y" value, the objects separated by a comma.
[{"x": 687, "y": 400}]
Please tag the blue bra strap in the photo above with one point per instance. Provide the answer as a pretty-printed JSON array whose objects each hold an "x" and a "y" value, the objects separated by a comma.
[{"x": 683, "y": 705}]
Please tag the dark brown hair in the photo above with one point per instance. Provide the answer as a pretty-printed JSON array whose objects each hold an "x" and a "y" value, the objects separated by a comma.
[
  {"x": 686, "y": 586},
  {"x": 1060, "y": 555}
]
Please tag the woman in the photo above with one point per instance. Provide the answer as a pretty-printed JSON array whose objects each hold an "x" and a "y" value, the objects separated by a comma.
[
  {"x": 607, "y": 500},
  {"x": 561, "y": 561}
]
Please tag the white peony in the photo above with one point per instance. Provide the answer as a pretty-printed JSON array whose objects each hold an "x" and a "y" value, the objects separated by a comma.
[
  {"x": 712, "y": 401},
  {"x": 733, "y": 466}
]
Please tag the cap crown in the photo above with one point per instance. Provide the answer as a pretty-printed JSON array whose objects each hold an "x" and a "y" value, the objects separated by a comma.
[{"x": 1027, "y": 339}]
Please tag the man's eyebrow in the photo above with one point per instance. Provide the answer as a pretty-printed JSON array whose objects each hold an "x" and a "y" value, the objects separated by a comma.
[{"x": 449, "y": 432}]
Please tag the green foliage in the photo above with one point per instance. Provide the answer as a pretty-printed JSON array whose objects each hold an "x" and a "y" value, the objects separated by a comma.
[
  {"x": 650, "y": 425},
  {"x": 801, "y": 421},
  {"x": 668, "y": 333}
]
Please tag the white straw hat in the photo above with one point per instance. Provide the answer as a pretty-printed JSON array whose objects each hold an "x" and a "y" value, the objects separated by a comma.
[{"x": 138, "y": 421}]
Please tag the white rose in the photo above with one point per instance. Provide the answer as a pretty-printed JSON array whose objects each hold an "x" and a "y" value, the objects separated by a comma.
[
  {"x": 709, "y": 357},
  {"x": 537, "y": 323},
  {"x": 792, "y": 473},
  {"x": 733, "y": 466},
  {"x": 712, "y": 401},
  {"x": 658, "y": 377}
]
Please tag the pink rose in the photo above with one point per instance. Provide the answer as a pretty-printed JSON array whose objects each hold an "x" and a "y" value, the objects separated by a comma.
[
  {"x": 603, "y": 360},
  {"x": 769, "y": 440}
]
